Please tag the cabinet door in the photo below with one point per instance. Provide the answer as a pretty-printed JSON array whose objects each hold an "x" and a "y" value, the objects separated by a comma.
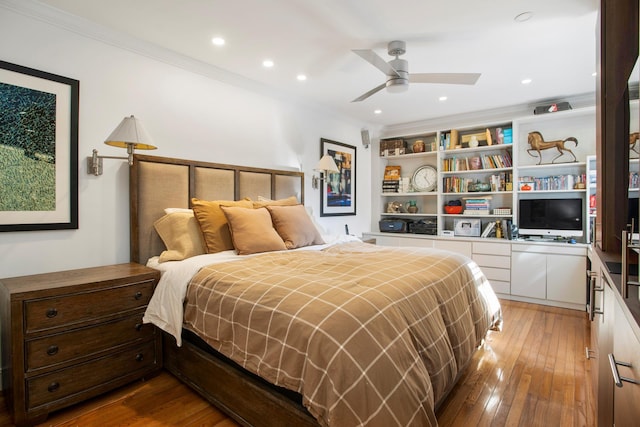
[
  {"x": 605, "y": 346},
  {"x": 565, "y": 278},
  {"x": 626, "y": 349},
  {"x": 463, "y": 248},
  {"x": 529, "y": 274}
]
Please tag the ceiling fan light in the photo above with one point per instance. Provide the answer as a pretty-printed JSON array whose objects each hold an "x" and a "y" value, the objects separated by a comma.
[{"x": 397, "y": 85}]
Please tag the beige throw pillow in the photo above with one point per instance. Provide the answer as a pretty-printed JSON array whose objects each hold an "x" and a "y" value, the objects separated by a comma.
[
  {"x": 181, "y": 235},
  {"x": 294, "y": 226},
  {"x": 252, "y": 230},
  {"x": 213, "y": 223},
  {"x": 262, "y": 202}
]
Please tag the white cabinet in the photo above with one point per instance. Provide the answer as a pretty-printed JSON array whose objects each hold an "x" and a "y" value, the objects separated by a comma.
[
  {"x": 550, "y": 272},
  {"x": 460, "y": 247},
  {"x": 494, "y": 259}
]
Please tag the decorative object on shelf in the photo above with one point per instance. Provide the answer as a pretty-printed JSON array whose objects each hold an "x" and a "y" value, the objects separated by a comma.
[
  {"x": 538, "y": 144},
  {"x": 633, "y": 140},
  {"x": 412, "y": 207},
  {"x": 418, "y": 146},
  {"x": 392, "y": 172},
  {"x": 525, "y": 186},
  {"x": 498, "y": 229},
  {"x": 390, "y": 147},
  {"x": 453, "y": 207},
  {"x": 473, "y": 142},
  {"x": 129, "y": 134},
  {"x": 394, "y": 207},
  {"x": 469, "y": 227},
  {"x": 502, "y": 211},
  {"x": 478, "y": 186},
  {"x": 338, "y": 196},
  {"x": 425, "y": 178},
  {"x": 39, "y": 129}
]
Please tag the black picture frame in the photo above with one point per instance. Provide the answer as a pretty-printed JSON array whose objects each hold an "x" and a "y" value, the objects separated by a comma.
[
  {"x": 338, "y": 190},
  {"x": 38, "y": 149}
]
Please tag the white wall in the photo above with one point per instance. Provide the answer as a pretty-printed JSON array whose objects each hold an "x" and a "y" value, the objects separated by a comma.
[{"x": 189, "y": 116}]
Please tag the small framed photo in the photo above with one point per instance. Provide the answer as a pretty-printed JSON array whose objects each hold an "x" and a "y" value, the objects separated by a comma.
[
  {"x": 525, "y": 186},
  {"x": 469, "y": 227}
]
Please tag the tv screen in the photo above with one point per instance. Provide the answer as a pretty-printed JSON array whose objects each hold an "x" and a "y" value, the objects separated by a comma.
[{"x": 551, "y": 217}]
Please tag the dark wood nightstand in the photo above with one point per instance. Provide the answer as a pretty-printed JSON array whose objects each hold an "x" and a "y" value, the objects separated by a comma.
[{"x": 71, "y": 335}]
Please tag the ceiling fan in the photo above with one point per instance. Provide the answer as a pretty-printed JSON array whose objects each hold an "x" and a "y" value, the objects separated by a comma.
[{"x": 397, "y": 71}]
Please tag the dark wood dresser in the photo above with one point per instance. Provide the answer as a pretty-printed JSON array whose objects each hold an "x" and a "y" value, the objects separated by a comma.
[{"x": 71, "y": 335}]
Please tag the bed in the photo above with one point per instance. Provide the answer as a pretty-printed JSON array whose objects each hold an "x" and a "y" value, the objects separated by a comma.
[{"x": 330, "y": 332}]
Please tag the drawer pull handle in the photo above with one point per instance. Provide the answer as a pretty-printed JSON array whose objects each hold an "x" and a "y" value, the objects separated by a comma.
[
  {"x": 138, "y": 326},
  {"x": 52, "y": 350},
  {"x": 617, "y": 379},
  {"x": 589, "y": 353},
  {"x": 54, "y": 386},
  {"x": 51, "y": 313},
  {"x": 138, "y": 295},
  {"x": 139, "y": 357}
]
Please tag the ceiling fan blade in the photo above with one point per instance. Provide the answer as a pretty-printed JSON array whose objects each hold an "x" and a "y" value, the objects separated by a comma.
[
  {"x": 445, "y": 78},
  {"x": 371, "y": 92},
  {"x": 375, "y": 60}
]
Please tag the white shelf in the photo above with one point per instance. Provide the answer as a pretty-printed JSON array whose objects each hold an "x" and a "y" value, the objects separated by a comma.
[
  {"x": 409, "y": 194},
  {"x": 475, "y": 171},
  {"x": 552, "y": 166},
  {"x": 411, "y": 155},
  {"x": 583, "y": 190},
  {"x": 475, "y": 216},
  {"x": 480, "y": 194},
  {"x": 484, "y": 148},
  {"x": 409, "y": 214}
]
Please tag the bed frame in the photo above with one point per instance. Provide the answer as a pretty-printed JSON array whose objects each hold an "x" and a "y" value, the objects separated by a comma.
[{"x": 157, "y": 183}]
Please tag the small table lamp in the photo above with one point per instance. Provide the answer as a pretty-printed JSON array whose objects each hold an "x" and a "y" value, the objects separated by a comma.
[{"x": 324, "y": 166}]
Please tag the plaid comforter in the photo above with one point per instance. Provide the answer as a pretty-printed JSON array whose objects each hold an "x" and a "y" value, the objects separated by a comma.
[{"x": 367, "y": 335}]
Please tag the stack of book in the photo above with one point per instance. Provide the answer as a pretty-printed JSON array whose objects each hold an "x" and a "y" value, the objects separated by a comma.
[
  {"x": 476, "y": 206},
  {"x": 391, "y": 186}
]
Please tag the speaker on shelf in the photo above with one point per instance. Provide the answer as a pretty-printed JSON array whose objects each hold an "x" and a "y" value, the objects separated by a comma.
[{"x": 364, "y": 133}]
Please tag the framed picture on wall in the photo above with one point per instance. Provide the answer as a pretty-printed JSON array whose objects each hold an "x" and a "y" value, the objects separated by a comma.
[
  {"x": 38, "y": 150},
  {"x": 338, "y": 191}
]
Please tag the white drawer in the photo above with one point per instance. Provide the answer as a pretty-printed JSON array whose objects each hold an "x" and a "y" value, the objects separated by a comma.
[
  {"x": 492, "y": 261},
  {"x": 500, "y": 287},
  {"x": 497, "y": 274},
  {"x": 491, "y": 248}
]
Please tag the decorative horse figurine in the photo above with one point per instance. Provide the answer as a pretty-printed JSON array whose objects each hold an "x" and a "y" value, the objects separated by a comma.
[
  {"x": 537, "y": 143},
  {"x": 633, "y": 139}
]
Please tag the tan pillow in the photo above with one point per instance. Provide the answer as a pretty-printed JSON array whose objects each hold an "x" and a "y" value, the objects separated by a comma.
[
  {"x": 262, "y": 202},
  {"x": 181, "y": 235},
  {"x": 213, "y": 223},
  {"x": 252, "y": 230},
  {"x": 294, "y": 226}
]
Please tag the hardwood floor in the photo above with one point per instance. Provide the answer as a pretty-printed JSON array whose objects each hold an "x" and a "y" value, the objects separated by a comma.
[{"x": 533, "y": 373}]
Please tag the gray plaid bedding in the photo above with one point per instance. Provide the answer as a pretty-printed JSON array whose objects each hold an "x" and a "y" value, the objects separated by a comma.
[{"x": 367, "y": 335}]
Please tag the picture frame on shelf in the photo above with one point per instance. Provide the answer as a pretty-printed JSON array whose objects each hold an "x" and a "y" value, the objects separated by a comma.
[
  {"x": 338, "y": 195},
  {"x": 38, "y": 150}
]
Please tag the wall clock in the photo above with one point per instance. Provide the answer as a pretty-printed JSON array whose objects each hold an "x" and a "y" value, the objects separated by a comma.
[{"x": 425, "y": 178}]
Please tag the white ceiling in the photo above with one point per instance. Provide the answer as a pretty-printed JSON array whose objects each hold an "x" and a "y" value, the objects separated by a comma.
[{"x": 555, "y": 48}]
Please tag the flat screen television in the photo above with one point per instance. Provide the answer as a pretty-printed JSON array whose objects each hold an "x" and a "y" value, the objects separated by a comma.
[{"x": 551, "y": 217}]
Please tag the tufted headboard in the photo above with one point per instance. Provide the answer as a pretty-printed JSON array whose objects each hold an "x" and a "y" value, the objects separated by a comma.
[{"x": 156, "y": 183}]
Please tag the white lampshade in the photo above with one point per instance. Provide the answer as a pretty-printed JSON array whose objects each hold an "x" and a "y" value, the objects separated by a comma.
[
  {"x": 130, "y": 133},
  {"x": 327, "y": 164}
]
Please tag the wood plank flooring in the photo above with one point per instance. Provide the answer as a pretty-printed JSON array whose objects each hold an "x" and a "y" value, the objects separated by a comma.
[{"x": 533, "y": 373}]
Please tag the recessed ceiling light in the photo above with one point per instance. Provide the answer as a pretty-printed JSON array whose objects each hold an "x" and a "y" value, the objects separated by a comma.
[
  {"x": 218, "y": 41},
  {"x": 377, "y": 111},
  {"x": 442, "y": 98},
  {"x": 267, "y": 63},
  {"x": 526, "y": 81},
  {"x": 301, "y": 77},
  {"x": 524, "y": 16}
]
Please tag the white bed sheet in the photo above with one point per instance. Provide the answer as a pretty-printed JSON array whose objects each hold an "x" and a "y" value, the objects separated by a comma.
[{"x": 166, "y": 307}]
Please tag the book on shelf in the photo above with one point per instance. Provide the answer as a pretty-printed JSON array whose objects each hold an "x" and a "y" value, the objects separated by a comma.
[
  {"x": 476, "y": 212},
  {"x": 488, "y": 229}
]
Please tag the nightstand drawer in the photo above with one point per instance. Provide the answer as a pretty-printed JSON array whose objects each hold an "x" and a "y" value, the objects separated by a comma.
[
  {"x": 85, "y": 342},
  {"x": 53, "y": 389},
  {"x": 87, "y": 306}
]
